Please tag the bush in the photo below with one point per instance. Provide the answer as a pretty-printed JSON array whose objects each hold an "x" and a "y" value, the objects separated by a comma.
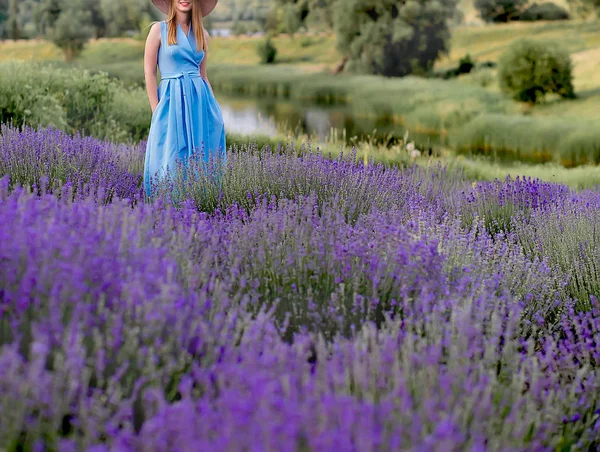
[
  {"x": 72, "y": 100},
  {"x": 529, "y": 70},
  {"x": 544, "y": 11},
  {"x": 466, "y": 64},
  {"x": 239, "y": 28},
  {"x": 25, "y": 97},
  {"x": 267, "y": 51},
  {"x": 306, "y": 41},
  {"x": 500, "y": 10}
]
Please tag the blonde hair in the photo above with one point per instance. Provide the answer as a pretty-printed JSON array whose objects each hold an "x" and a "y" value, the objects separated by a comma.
[{"x": 197, "y": 25}]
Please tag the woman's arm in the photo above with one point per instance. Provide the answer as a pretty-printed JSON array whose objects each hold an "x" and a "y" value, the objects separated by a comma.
[
  {"x": 203, "y": 73},
  {"x": 150, "y": 62}
]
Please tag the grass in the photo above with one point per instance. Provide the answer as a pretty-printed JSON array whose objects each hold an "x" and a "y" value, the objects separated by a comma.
[
  {"x": 568, "y": 141},
  {"x": 488, "y": 43}
]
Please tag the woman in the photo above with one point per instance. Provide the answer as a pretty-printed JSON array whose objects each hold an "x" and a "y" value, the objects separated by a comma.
[{"x": 186, "y": 117}]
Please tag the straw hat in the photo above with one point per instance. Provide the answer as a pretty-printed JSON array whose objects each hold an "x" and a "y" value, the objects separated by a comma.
[{"x": 205, "y": 5}]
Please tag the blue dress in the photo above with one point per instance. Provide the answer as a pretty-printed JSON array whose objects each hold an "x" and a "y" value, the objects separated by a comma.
[{"x": 187, "y": 118}]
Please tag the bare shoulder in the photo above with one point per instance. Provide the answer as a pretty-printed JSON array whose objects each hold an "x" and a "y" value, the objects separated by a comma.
[{"x": 154, "y": 33}]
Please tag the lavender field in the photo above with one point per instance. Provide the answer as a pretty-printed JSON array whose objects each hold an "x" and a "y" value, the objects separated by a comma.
[{"x": 296, "y": 304}]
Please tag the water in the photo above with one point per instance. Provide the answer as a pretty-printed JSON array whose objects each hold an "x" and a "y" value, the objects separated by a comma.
[{"x": 268, "y": 116}]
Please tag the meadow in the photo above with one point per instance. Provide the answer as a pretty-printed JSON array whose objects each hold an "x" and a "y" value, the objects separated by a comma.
[
  {"x": 469, "y": 112},
  {"x": 301, "y": 303}
]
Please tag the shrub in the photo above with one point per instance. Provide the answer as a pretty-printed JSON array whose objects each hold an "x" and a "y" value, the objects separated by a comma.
[
  {"x": 25, "y": 97},
  {"x": 306, "y": 41},
  {"x": 466, "y": 64},
  {"x": 544, "y": 11},
  {"x": 500, "y": 10},
  {"x": 239, "y": 28},
  {"x": 529, "y": 70},
  {"x": 72, "y": 100},
  {"x": 267, "y": 51}
]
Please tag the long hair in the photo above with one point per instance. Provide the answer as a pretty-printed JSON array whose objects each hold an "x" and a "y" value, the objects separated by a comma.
[{"x": 197, "y": 25}]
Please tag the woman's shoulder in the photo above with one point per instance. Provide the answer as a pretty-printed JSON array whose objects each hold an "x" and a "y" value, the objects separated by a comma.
[
  {"x": 156, "y": 25},
  {"x": 155, "y": 31}
]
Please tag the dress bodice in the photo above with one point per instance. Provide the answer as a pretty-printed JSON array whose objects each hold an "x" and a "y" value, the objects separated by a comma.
[{"x": 181, "y": 57}]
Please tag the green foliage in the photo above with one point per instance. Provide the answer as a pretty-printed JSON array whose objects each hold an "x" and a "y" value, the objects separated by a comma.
[
  {"x": 584, "y": 7},
  {"x": 466, "y": 64},
  {"x": 500, "y": 10},
  {"x": 393, "y": 38},
  {"x": 306, "y": 41},
  {"x": 267, "y": 51},
  {"x": 321, "y": 12},
  {"x": 13, "y": 21},
  {"x": 25, "y": 98},
  {"x": 70, "y": 22},
  {"x": 298, "y": 13},
  {"x": 292, "y": 20},
  {"x": 239, "y": 28},
  {"x": 3, "y": 19},
  {"x": 569, "y": 142},
  {"x": 544, "y": 11},
  {"x": 72, "y": 100},
  {"x": 122, "y": 17},
  {"x": 243, "y": 11},
  {"x": 72, "y": 29},
  {"x": 580, "y": 147},
  {"x": 529, "y": 70}
]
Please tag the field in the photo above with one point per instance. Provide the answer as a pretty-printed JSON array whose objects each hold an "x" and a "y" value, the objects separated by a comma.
[
  {"x": 387, "y": 308},
  {"x": 316, "y": 295}
]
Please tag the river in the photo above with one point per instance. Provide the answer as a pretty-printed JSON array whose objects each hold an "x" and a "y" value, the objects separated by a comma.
[{"x": 268, "y": 116}]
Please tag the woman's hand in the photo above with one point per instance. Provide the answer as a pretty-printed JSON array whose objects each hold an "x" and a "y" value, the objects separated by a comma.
[{"x": 150, "y": 63}]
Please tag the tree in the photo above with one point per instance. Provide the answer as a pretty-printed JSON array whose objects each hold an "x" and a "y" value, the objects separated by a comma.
[
  {"x": 530, "y": 69},
  {"x": 72, "y": 28},
  {"x": 121, "y": 17},
  {"x": 45, "y": 15},
  {"x": 3, "y": 17},
  {"x": 584, "y": 7},
  {"x": 298, "y": 13},
  {"x": 97, "y": 18},
  {"x": 500, "y": 10},
  {"x": 321, "y": 11},
  {"x": 292, "y": 21},
  {"x": 13, "y": 20},
  {"x": 393, "y": 37}
]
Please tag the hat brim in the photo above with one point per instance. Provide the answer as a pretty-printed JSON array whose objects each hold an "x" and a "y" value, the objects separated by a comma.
[{"x": 205, "y": 5}]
